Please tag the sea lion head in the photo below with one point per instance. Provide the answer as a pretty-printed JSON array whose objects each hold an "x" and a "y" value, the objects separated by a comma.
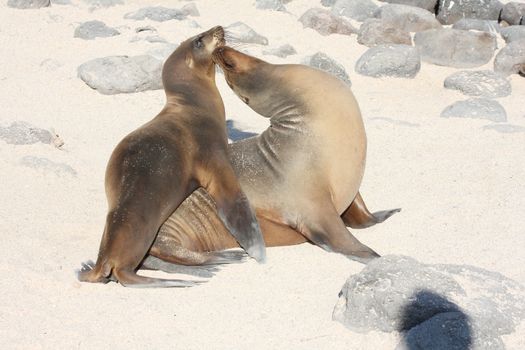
[
  {"x": 247, "y": 76},
  {"x": 193, "y": 58}
]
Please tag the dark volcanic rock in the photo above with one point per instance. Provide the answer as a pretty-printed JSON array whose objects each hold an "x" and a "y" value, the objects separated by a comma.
[
  {"x": 94, "y": 29},
  {"x": 122, "y": 74},
  {"x": 407, "y": 18},
  {"x": 28, "y": 4},
  {"x": 513, "y": 13},
  {"x": 455, "y": 48},
  {"x": 451, "y": 11},
  {"x": 358, "y": 10},
  {"x": 484, "y": 83},
  {"x": 511, "y": 59},
  {"x": 325, "y": 22},
  {"x": 389, "y": 60},
  {"x": 476, "y": 108},
  {"x": 323, "y": 62},
  {"x": 374, "y": 32}
]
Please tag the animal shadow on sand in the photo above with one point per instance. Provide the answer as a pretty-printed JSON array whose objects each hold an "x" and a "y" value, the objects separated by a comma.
[
  {"x": 235, "y": 134},
  {"x": 431, "y": 321}
]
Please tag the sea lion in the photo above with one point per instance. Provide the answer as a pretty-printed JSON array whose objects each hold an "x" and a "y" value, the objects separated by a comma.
[
  {"x": 302, "y": 174},
  {"x": 154, "y": 168}
]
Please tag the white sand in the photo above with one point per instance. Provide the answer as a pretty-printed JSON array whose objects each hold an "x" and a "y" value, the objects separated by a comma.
[{"x": 462, "y": 190}]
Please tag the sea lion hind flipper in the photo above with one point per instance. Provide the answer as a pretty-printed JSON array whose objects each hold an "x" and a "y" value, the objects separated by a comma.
[
  {"x": 358, "y": 216},
  {"x": 233, "y": 256},
  {"x": 153, "y": 263},
  {"x": 326, "y": 229},
  {"x": 131, "y": 279}
]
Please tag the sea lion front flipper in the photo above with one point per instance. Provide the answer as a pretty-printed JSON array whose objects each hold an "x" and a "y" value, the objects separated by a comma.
[
  {"x": 234, "y": 210},
  {"x": 325, "y": 228},
  {"x": 358, "y": 216}
]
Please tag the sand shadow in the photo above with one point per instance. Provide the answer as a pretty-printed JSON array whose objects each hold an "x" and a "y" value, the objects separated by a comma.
[
  {"x": 431, "y": 321},
  {"x": 235, "y": 134}
]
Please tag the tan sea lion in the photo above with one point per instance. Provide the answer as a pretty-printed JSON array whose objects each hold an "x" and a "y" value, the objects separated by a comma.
[
  {"x": 302, "y": 174},
  {"x": 154, "y": 168}
]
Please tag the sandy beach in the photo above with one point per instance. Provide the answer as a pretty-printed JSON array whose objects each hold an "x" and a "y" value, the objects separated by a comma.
[{"x": 461, "y": 188}]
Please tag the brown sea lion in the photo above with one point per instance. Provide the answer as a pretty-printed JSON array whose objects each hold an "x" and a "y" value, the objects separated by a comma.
[
  {"x": 154, "y": 168},
  {"x": 302, "y": 174}
]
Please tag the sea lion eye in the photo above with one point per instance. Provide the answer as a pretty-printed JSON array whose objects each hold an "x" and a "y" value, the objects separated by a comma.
[{"x": 198, "y": 43}]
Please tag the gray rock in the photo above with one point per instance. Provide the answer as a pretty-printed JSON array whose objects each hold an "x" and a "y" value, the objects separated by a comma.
[
  {"x": 374, "y": 32},
  {"x": 145, "y": 29},
  {"x": 275, "y": 5},
  {"x": 451, "y": 11},
  {"x": 358, "y": 10},
  {"x": 483, "y": 25},
  {"x": 511, "y": 59},
  {"x": 103, "y": 3},
  {"x": 158, "y": 13},
  {"x": 122, "y": 74},
  {"x": 435, "y": 306},
  {"x": 61, "y": 2},
  {"x": 23, "y": 133},
  {"x": 48, "y": 165},
  {"x": 407, "y": 18},
  {"x": 484, "y": 83},
  {"x": 321, "y": 61},
  {"x": 505, "y": 128},
  {"x": 281, "y": 51},
  {"x": 162, "y": 53},
  {"x": 389, "y": 61},
  {"x": 513, "y": 33},
  {"x": 513, "y": 13},
  {"x": 94, "y": 29},
  {"x": 428, "y": 5},
  {"x": 476, "y": 108},
  {"x": 328, "y": 3},
  {"x": 191, "y": 10},
  {"x": 455, "y": 48},
  {"x": 28, "y": 4},
  {"x": 239, "y": 32},
  {"x": 325, "y": 22}
]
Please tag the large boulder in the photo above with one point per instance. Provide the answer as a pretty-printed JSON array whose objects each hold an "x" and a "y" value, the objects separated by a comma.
[
  {"x": 358, "y": 10},
  {"x": 428, "y": 5},
  {"x": 401, "y": 61},
  {"x": 374, "y": 32},
  {"x": 451, "y": 11},
  {"x": 326, "y": 23},
  {"x": 407, "y": 18},
  {"x": 94, "y": 29},
  {"x": 476, "y": 108},
  {"x": 513, "y": 13},
  {"x": 122, "y": 74},
  {"x": 485, "y": 83},
  {"x": 513, "y": 33},
  {"x": 482, "y": 25},
  {"x": 321, "y": 61},
  {"x": 511, "y": 59},
  {"x": 455, "y": 48},
  {"x": 433, "y": 306}
]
